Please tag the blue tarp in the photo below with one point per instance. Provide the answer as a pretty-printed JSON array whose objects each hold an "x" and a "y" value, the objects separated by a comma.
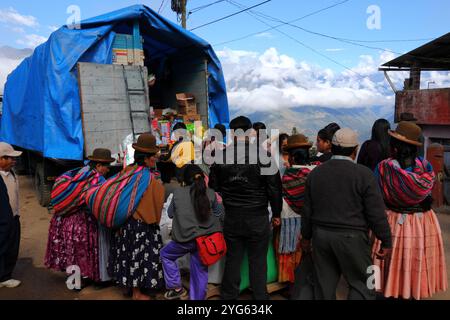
[{"x": 41, "y": 106}]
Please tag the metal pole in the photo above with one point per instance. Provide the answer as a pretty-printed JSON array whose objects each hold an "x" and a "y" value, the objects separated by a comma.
[{"x": 390, "y": 81}]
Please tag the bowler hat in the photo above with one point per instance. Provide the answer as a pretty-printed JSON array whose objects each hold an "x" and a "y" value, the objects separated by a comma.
[
  {"x": 407, "y": 132},
  {"x": 297, "y": 141},
  {"x": 101, "y": 155},
  {"x": 146, "y": 143}
]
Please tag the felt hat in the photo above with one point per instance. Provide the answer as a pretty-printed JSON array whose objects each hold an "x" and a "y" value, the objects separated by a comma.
[
  {"x": 297, "y": 141},
  {"x": 407, "y": 132},
  {"x": 146, "y": 143},
  {"x": 101, "y": 155}
]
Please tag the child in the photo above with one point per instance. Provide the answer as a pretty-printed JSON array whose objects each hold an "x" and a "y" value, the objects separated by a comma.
[{"x": 195, "y": 212}]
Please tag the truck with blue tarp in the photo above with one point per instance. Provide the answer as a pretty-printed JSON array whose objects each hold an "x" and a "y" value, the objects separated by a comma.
[{"x": 87, "y": 87}]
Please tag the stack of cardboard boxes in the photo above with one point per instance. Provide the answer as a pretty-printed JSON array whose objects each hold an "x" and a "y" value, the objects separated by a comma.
[
  {"x": 128, "y": 49},
  {"x": 188, "y": 108},
  {"x": 188, "y": 113}
]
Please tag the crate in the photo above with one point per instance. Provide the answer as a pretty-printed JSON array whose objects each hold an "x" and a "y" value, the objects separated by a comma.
[{"x": 128, "y": 49}]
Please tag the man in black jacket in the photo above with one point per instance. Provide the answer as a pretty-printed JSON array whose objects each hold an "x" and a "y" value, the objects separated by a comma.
[
  {"x": 6, "y": 226},
  {"x": 247, "y": 188},
  {"x": 342, "y": 202}
]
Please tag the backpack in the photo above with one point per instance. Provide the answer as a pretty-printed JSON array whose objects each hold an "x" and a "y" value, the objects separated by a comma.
[{"x": 211, "y": 248}]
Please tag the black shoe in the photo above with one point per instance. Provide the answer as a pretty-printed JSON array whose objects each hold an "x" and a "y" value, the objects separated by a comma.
[{"x": 174, "y": 294}]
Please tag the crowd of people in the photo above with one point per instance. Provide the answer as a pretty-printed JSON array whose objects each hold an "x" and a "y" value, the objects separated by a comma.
[{"x": 336, "y": 214}]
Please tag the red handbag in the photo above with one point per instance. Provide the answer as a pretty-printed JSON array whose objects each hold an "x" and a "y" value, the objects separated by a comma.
[{"x": 211, "y": 248}]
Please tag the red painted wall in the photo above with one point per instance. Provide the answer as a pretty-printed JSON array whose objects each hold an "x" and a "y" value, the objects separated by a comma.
[{"x": 428, "y": 106}]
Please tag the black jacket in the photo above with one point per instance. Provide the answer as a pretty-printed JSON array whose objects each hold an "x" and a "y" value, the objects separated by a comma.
[
  {"x": 6, "y": 217},
  {"x": 244, "y": 185},
  {"x": 344, "y": 195}
]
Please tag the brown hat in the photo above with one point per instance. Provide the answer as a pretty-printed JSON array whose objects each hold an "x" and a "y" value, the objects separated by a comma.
[
  {"x": 297, "y": 141},
  {"x": 407, "y": 132},
  {"x": 146, "y": 143},
  {"x": 101, "y": 155}
]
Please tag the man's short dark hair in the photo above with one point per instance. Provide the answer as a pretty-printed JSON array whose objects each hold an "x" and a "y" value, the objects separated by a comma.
[
  {"x": 179, "y": 125},
  {"x": 259, "y": 126},
  {"x": 221, "y": 128},
  {"x": 341, "y": 151},
  {"x": 241, "y": 122}
]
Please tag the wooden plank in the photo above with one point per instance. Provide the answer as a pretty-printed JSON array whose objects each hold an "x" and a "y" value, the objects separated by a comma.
[
  {"x": 105, "y": 107},
  {"x": 80, "y": 91},
  {"x": 107, "y": 116}
]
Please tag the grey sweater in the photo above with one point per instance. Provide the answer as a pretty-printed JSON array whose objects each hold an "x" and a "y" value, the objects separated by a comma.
[
  {"x": 344, "y": 195},
  {"x": 185, "y": 226}
]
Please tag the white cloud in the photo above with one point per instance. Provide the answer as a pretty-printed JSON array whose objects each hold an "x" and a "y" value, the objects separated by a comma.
[
  {"x": 271, "y": 81},
  {"x": 435, "y": 80},
  {"x": 334, "y": 49},
  {"x": 10, "y": 58},
  {"x": 18, "y": 30},
  {"x": 11, "y": 16},
  {"x": 32, "y": 40},
  {"x": 6, "y": 66},
  {"x": 53, "y": 28},
  {"x": 267, "y": 35}
]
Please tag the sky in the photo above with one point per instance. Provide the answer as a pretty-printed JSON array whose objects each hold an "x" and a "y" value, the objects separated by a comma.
[{"x": 283, "y": 67}]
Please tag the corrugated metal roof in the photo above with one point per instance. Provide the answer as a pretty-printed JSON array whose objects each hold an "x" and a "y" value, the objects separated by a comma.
[{"x": 433, "y": 55}]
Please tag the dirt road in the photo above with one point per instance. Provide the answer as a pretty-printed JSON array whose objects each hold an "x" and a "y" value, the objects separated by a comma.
[{"x": 39, "y": 283}]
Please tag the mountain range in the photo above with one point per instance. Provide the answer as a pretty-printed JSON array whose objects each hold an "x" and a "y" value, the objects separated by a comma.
[{"x": 310, "y": 119}]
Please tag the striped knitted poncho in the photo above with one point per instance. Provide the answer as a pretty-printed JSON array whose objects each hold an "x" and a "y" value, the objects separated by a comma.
[
  {"x": 405, "y": 187},
  {"x": 293, "y": 185}
]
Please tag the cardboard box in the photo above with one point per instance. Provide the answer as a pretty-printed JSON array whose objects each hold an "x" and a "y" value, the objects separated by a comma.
[
  {"x": 190, "y": 110},
  {"x": 128, "y": 49},
  {"x": 191, "y": 118},
  {"x": 185, "y": 99},
  {"x": 186, "y": 103}
]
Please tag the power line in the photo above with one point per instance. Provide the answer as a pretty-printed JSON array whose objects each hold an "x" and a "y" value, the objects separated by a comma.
[
  {"x": 391, "y": 40},
  {"x": 298, "y": 41},
  {"x": 194, "y": 10},
  {"x": 160, "y": 7},
  {"x": 344, "y": 40},
  {"x": 282, "y": 24},
  {"x": 231, "y": 15},
  {"x": 165, "y": 7}
]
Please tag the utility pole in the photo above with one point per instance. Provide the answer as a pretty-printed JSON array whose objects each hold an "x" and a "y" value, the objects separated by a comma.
[
  {"x": 179, "y": 6},
  {"x": 183, "y": 13}
]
